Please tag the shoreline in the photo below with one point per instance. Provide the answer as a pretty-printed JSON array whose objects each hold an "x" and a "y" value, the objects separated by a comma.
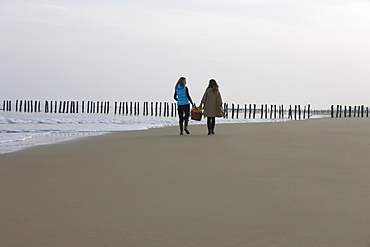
[
  {"x": 41, "y": 137},
  {"x": 296, "y": 183}
]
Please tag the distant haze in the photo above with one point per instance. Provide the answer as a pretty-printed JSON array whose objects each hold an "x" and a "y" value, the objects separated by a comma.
[{"x": 264, "y": 52}]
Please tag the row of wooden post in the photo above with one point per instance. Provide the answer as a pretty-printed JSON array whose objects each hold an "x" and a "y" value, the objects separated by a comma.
[
  {"x": 128, "y": 108},
  {"x": 356, "y": 111},
  {"x": 170, "y": 109},
  {"x": 273, "y": 112}
]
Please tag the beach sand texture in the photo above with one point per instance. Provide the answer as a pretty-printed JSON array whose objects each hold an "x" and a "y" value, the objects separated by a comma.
[{"x": 299, "y": 183}]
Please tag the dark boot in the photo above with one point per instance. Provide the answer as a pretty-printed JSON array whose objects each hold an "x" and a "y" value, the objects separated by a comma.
[
  {"x": 209, "y": 126},
  {"x": 213, "y": 128},
  {"x": 181, "y": 128},
  {"x": 186, "y": 127}
]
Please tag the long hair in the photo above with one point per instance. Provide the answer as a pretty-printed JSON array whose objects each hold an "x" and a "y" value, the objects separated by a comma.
[
  {"x": 213, "y": 85},
  {"x": 181, "y": 81}
]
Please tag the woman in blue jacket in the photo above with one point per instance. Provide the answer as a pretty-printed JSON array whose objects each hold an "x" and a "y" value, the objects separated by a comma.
[{"x": 183, "y": 99}]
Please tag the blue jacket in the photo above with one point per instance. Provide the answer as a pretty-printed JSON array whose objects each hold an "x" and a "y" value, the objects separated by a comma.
[{"x": 182, "y": 95}]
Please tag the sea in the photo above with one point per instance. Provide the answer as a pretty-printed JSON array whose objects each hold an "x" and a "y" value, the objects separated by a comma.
[{"x": 19, "y": 130}]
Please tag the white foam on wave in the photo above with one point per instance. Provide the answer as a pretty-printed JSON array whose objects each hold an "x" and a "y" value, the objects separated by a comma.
[{"x": 19, "y": 130}]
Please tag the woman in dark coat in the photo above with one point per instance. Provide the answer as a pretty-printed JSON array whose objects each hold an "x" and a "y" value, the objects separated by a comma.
[{"x": 212, "y": 105}]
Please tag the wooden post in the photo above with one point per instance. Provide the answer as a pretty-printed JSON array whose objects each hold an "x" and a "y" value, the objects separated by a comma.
[
  {"x": 245, "y": 111},
  {"x": 362, "y": 111},
  {"x": 237, "y": 112},
  {"x": 266, "y": 111},
  {"x": 295, "y": 112},
  {"x": 151, "y": 108},
  {"x": 20, "y": 105},
  {"x": 349, "y": 111},
  {"x": 337, "y": 114},
  {"x": 254, "y": 111},
  {"x": 261, "y": 111},
  {"x": 126, "y": 107},
  {"x": 250, "y": 111},
  {"x": 232, "y": 111},
  {"x": 46, "y": 106},
  {"x": 271, "y": 111},
  {"x": 309, "y": 111},
  {"x": 160, "y": 109},
  {"x": 299, "y": 112},
  {"x": 332, "y": 111},
  {"x": 355, "y": 111}
]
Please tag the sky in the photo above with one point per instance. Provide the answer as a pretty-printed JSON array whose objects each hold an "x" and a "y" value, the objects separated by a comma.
[{"x": 259, "y": 51}]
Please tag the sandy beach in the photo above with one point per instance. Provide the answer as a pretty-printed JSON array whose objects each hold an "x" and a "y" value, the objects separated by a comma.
[{"x": 299, "y": 183}]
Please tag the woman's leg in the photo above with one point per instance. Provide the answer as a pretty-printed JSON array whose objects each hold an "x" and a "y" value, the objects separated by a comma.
[
  {"x": 209, "y": 125},
  {"x": 186, "y": 118},
  {"x": 213, "y": 123},
  {"x": 180, "y": 111}
]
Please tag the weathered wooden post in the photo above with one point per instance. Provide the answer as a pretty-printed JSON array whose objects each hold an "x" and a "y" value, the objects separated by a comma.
[
  {"x": 250, "y": 111},
  {"x": 358, "y": 111},
  {"x": 309, "y": 111},
  {"x": 337, "y": 113},
  {"x": 254, "y": 111},
  {"x": 271, "y": 111},
  {"x": 261, "y": 111},
  {"x": 232, "y": 110},
  {"x": 295, "y": 112},
  {"x": 20, "y": 105},
  {"x": 332, "y": 111},
  {"x": 362, "y": 111},
  {"x": 266, "y": 111},
  {"x": 46, "y": 106},
  {"x": 237, "y": 112},
  {"x": 349, "y": 111}
]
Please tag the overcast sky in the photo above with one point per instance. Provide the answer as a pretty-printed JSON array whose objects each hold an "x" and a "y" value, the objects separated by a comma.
[{"x": 260, "y": 51}]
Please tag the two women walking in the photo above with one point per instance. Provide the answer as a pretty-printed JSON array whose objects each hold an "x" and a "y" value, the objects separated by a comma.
[{"x": 211, "y": 103}]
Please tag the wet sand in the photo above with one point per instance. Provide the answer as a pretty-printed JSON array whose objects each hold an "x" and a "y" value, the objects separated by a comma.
[{"x": 299, "y": 183}]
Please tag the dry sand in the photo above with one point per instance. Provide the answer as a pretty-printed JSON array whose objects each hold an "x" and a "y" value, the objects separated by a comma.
[{"x": 300, "y": 183}]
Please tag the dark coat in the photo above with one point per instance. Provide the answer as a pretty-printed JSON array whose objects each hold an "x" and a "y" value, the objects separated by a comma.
[{"x": 212, "y": 102}]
